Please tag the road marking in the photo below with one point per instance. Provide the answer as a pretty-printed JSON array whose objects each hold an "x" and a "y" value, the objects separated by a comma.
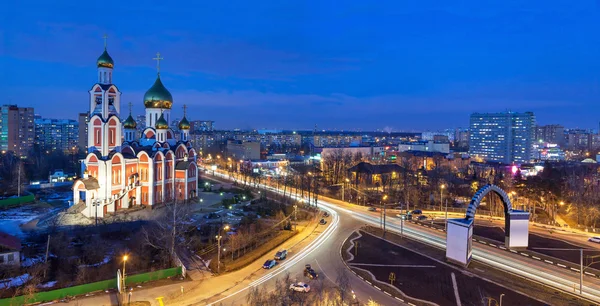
[
  {"x": 548, "y": 261},
  {"x": 502, "y": 247},
  {"x": 524, "y": 254},
  {"x": 534, "y": 257},
  {"x": 356, "y": 274},
  {"x": 377, "y": 288},
  {"x": 576, "y": 270},
  {"x": 411, "y": 304},
  {"x": 492, "y": 245},
  {"x": 592, "y": 274},
  {"x": 368, "y": 282},
  {"x": 387, "y": 293},
  {"x": 395, "y": 266},
  {"x": 514, "y": 251},
  {"x": 399, "y": 299},
  {"x": 455, "y": 290},
  {"x": 561, "y": 265}
]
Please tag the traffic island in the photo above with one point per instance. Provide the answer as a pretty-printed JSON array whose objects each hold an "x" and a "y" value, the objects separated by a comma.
[{"x": 419, "y": 274}]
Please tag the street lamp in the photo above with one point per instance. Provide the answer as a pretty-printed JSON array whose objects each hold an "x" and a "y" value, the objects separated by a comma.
[
  {"x": 383, "y": 199},
  {"x": 124, "y": 261},
  {"x": 442, "y": 195},
  {"x": 218, "y": 237}
]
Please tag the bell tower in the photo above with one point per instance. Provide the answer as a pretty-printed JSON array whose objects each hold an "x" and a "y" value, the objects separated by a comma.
[{"x": 104, "y": 125}]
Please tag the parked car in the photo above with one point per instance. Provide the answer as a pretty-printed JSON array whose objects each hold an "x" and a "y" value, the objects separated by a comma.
[
  {"x": 310, "y": 273},
  {"x": 422, "y": 218},
  {"x": 269, "y": 264},
  {"x": 417, "y": 212},
  {"x": 322, "y": 222},
  {"x": 404, "y": 216},
  {"x": 300, "y": 287},
  {"x": 281, "y": 255},
  {"x": 594, "y": 239},
  {"x": 372, "y": 208}
]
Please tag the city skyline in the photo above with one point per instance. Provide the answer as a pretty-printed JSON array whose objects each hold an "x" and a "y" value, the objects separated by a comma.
[{"x": 298, "y": 66}]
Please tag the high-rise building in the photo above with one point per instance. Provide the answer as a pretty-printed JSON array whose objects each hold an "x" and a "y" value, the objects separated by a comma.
[
  {"x": 502, "y": 137},
  {"x": 82, "y": 132},
  {"x": 57, "y": 134},
  {"x": 17, "y": 131},
  {"x": 552, "y": 133},
  {"x": 202, "y": 125}
]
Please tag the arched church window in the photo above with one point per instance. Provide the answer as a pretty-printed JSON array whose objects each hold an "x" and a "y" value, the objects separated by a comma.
[{"x": 104, "y": 80}]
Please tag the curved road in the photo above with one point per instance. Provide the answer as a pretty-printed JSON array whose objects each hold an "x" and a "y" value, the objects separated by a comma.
[{"x": 324, "y": 254}]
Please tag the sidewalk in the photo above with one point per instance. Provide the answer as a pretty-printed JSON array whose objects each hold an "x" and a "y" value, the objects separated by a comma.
[{"x": 199, "y": 291}]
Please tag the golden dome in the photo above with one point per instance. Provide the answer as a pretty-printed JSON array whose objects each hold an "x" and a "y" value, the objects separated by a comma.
[
  {"x": 129, "y": 123},
  {"x": 161, "y": 123},
  {"x": 184, "y": 124},
  {"x": 158, "y": 96},
  {"x": 105, "y": 60}
]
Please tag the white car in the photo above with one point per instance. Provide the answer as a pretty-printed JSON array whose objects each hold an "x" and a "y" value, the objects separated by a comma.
[
  {"x": 594, "y": 239},
  {"x": 300, "y": 287}
]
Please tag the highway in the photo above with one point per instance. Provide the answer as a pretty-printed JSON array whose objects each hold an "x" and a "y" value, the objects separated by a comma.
[{"x": 324, "y": 254}]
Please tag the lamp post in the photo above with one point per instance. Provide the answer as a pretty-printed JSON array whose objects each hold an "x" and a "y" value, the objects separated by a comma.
[
  {"x": 501, "y": 295},
  {"x": 124, "y": 262},
  {"x": 219, "y": 248},
  {"x": 383, "y": 211},
  {"x": 446, "y": 223},
  {"x": 295, "y": 216},
  {"x": 442, "y": 195}
]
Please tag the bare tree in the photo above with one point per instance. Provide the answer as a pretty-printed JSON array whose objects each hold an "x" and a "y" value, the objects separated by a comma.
[{"x": 165, "y": 233}]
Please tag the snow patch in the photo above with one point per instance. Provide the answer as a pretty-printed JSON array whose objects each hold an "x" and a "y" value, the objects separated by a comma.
[
  {"x": 103, "y": 262},
  {"x": 48, "y": 284},
  {"x": 15, "y": 281}
]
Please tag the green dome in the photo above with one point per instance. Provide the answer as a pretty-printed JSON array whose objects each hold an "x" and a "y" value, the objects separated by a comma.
[
  {"x": 184, "y": 124},
  {"x": 158, "y": 96},
  {"x": 105, "y": 60},
  {"x": 161, "y": 123},
  {"x": 129, "y": 123}
]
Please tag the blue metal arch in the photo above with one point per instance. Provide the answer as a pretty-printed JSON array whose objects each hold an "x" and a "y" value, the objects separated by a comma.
[{"x": 476, "y": 200}]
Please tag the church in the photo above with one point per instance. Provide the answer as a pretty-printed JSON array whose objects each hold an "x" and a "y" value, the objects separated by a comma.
[{"x": 124, "y": 169}]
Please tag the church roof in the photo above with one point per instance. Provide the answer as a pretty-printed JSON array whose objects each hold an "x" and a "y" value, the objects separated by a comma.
[
  {"x": 184, "y": 124},
  {"x": 91, "y": 183},
  {"x": 182, "y": 165}
]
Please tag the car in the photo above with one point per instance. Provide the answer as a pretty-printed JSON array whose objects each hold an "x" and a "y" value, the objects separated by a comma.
[
  {"x": 372, "y": 208},
  {"x": 300, "y": 287},
  {"x": 405, "y": 216},
  {"x": 322, "y": 222},
  {"x": 310, "y": 273},
  {"x": 422, "y": 218},
  {"x": 269, "y": 264},
  {"x": 417, "y": 212},
  {"x": 325, "y": 215},
  {"x": 281, "y": 255},
  {"x": 594, "y": 239}
]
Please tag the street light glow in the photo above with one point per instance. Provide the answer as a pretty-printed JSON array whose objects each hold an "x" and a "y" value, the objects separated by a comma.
[{"x": 125, "y": 258}]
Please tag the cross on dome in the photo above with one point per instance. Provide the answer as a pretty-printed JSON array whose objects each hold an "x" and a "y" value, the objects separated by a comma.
[
  {"x": 105, "y": 40},
  {"x": 158, "y": 59},
  {"x": 184, "y": 109}
]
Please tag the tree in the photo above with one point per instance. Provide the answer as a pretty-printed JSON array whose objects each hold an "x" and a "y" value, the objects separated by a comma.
[{"x": 165, "y": 233}]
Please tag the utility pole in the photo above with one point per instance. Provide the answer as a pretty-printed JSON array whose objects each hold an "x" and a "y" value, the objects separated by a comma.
[{"x": 295, "y": 216}]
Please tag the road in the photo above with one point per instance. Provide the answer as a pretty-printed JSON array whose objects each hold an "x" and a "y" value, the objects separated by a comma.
[{"x": 353, "y": 216}]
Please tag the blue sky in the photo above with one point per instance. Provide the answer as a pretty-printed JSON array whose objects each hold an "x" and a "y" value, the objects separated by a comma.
[{"x": 293, "y": 64}]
